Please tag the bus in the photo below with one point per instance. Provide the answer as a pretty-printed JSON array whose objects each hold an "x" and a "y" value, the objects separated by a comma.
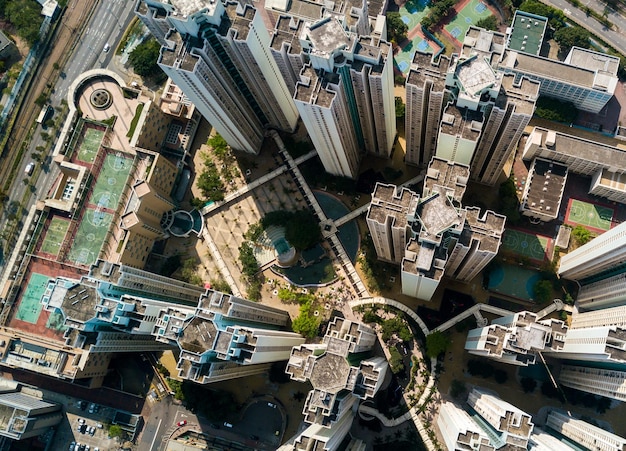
[{"x": 43, "y": 115}]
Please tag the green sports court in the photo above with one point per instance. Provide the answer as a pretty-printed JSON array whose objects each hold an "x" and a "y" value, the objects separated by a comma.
[
  {"x": 525, "y": 244},
  {"x": 89, "y": 237},
  {"x": 411, "y": 14},
  {"x": 589, "y": 215},
  {"x": 30, "y": 304},
  {"x": 471, "y": 13},
  {"x": 55, "y": 234},
  {"x": 90, "y": 143},
  {"x": 111, "y": 180}
]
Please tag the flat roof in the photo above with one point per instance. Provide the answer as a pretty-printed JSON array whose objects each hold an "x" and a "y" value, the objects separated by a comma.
[
  {"x": 546, "y": 182},
  {"x": 527, "y": 32}
]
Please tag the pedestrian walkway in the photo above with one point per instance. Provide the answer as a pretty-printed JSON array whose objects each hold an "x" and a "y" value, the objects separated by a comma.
[{"x": 221, "y": 264}]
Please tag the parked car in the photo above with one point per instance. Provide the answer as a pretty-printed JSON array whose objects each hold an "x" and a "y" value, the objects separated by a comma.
[
  {"x": 92, "y": 430},
  {"x": 227, "y": 424},
  {"x": 272, "y": 405},
  {"x": 182, "y": 423}
]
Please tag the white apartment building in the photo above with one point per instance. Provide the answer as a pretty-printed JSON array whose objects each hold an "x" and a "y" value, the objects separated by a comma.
[
  {"x": 459, "y": 133},
  {"x": 543, "y": 191},
  {"x": 459, "y": 431},
  {"x": 583, "y": 433},
  {"x": 603, "y": 253},
  {"x": 542, "y": 441},
  {"x": 426, "y": 96},
  {"x": 513, "y": 425},
  {"x": 601, "y": 382},
  {"x": 603, "y": 293},
  {"x": 219, "y": 55},
  {"x": 387, "y": 220}
]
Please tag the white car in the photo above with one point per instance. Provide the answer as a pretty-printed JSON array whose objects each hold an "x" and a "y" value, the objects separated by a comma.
[{"x": 106, "y": 48}]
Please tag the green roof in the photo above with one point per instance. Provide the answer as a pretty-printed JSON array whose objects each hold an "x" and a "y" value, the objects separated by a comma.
[{"x": 527, "y": 34}]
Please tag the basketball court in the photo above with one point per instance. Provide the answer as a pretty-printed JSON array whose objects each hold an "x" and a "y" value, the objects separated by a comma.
[
  {"x": 470, "y": 14},
  {"x": 30, "y": 304},
  {"x": 90, "y": 237},
  {"x": 525, "y": 244},
  {"x": 592, "y": 216},
  {"x": 511, "y": 280},
  {"x": 110, "y": 182},
  {"x": 90, "y": 143},
  {"x": 411, "y": 14},
  {"x": 55, "y": 234}
]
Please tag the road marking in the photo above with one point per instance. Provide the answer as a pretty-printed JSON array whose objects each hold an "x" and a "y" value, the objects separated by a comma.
[{"x": 155, "y": 434}]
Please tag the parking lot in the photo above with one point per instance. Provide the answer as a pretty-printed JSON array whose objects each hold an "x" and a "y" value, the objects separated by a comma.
[{"x": 88, "y": 429}]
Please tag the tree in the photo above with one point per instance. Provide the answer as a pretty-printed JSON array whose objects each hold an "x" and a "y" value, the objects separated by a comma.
[
  {"x": 116, "y": 431},
  {"x": 436, "y": 343},
  {"x": 555, "y": 110},
  {"x": 396, "y": 28},
  {"x": 509, "y": 203},
  {"x": 400, "y": 107},
  {"x": 306, "y": 323},
  {"x": 210, "y": 183},
  {"x": 395, "y": 361},
  {"x": 488, "y": 23},
  {"x": 574, "y": 36},
  {"x": 543, "y": 291},
  {"x": 248, "y": 261},
  {"x": 27, "y": 18},
  {"x": 581, "y": 235},
  {"x": 144, "y": 59}
]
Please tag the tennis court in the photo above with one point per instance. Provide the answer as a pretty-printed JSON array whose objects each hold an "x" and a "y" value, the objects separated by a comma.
[
  {"x": 30, "y": 304},
  {"x": 525, "y": 244},
  {"x": 54, "y": 236},
  {"x": 589, "y": 215},
  {"x": 513, "y": 281},
  {"x": 111, "y": 181},
  {"x": 90, "y": 143},
  {"x": 471, "y": 13},
  {"x": 90, "y": 237}
]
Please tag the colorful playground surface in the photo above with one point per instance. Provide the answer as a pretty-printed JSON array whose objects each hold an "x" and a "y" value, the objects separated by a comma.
[
  {"x": 411, "y": 14},
  {"x": 30, "y": 304},
  {"x": 55, "y": 234},
  {"x": 470, "y": 14},
  {"x": 590, "y": 215},
  {"x": 511, "y": 280},
  {"x": 92, "y": 135},
  {"x": 525, "y": 244}
]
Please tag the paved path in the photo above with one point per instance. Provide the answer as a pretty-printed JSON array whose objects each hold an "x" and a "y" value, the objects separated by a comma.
[
  {"x": 221, "y": 264},
  {"x": 395, "y": 304}
]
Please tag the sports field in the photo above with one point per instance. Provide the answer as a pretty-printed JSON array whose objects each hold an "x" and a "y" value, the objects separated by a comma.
[
  {"x": 525, "y": 244},
  {"x": 89, "y": 237},
  {"x": 469, "y": 15},
  {"x": 111, "y": 181},
  {"x": 54, "y": 236},
  {"x": 90, "y": 143},
  {"x": 514, "y": 281},
  {"x": 589, "y": 215},
  {"x": 411, "y": 14},
  {"x": 30, "y": 304}
]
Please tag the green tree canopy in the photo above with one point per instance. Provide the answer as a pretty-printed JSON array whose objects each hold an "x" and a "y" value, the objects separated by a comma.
[
  {"x": 581, "y": 235},
  {"x": 302, "y": 228},
  {"x": 144, "y": 58},
  {"x": 488, "y": 23},
  {"x": 543, "y": 291},
  {"x": 400, "y": 107},
  {"x": 574, "y": 36},
  {"x": 26, "y": 16},
  {"x": 436, "y": 343},
  {"x": 555, "y": 110},
  {"x": 210, "y": 183},
  {"x": 306, "y": 323},
  {"x": 115, "y": 431},
  {"x": 396, "y": 28},
  {"x": 509, "y": 203},
  {"x": 248, "y": 261}
]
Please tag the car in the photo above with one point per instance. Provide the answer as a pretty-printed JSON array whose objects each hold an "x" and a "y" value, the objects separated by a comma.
[
  {"x": 93, "y": 408},
  {"x": 106, "y": 48},
  {"x": 227, "y": 424},
  {"x": 30, "y": 167},
  {"x": 72, "y": 446},
  {"x": 181, "y": 423},
  {"x": 86, "y": 447},
  {"x": 82, "y": 428},
  {"x": 81, "y": 420},
  {"x": 81, "y": 448},
  {"x": 99, "y": 425},
  {"x": 272, "y": 405},
  {"x": 82, "y": 405},
  {"x": 92, "y": 430}
]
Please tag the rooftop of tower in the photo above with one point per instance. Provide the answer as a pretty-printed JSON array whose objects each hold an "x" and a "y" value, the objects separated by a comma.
[
  {"x": 475, "y": 75},
  {"x": 387, "y": 201},
  {"x": 489, "y": 45},
  {"x": 314, "y": 90},
  {"x": 595, "y": 61},
  {"x": 188, "y": 7},
  {"x": 487, "y": 229},
  {"x": 287, "y": 32},
  {"x": 523, "y": 94},
  {"x": 330, "y": 373},
  {"x": 237, "y": 20},
  {"x": 546, "y": 184},
  {"x": 424, "y": 258},
  {"x": 327, "y": 36},
  {"x": 199, "y": 335},
  {"x": 423, "y": 68},
  {"x": 451, "y": 175},
  {"x": 437, "y": 214},
  {"x": 464, "y": 122}
]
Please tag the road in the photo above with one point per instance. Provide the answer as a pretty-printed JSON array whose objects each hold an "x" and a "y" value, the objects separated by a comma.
[
  {"x": 108, "y": 22},
  {"x": 615, "y": 37}
]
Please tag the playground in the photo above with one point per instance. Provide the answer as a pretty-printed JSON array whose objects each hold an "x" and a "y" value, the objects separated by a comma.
[
  {"x": 30, "y": 304},
  {"x": 55, "y": 234},
  {"x": 513, "y": 281},
  {"x": 470, "y": 14},
  {"x": 111, "y": 180},
  {"x": 90, "y": 142},
  {"x": 90, "y": 236},
  {"x": 526, "y": 244},
  {"x": 592, "y": 216}
]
